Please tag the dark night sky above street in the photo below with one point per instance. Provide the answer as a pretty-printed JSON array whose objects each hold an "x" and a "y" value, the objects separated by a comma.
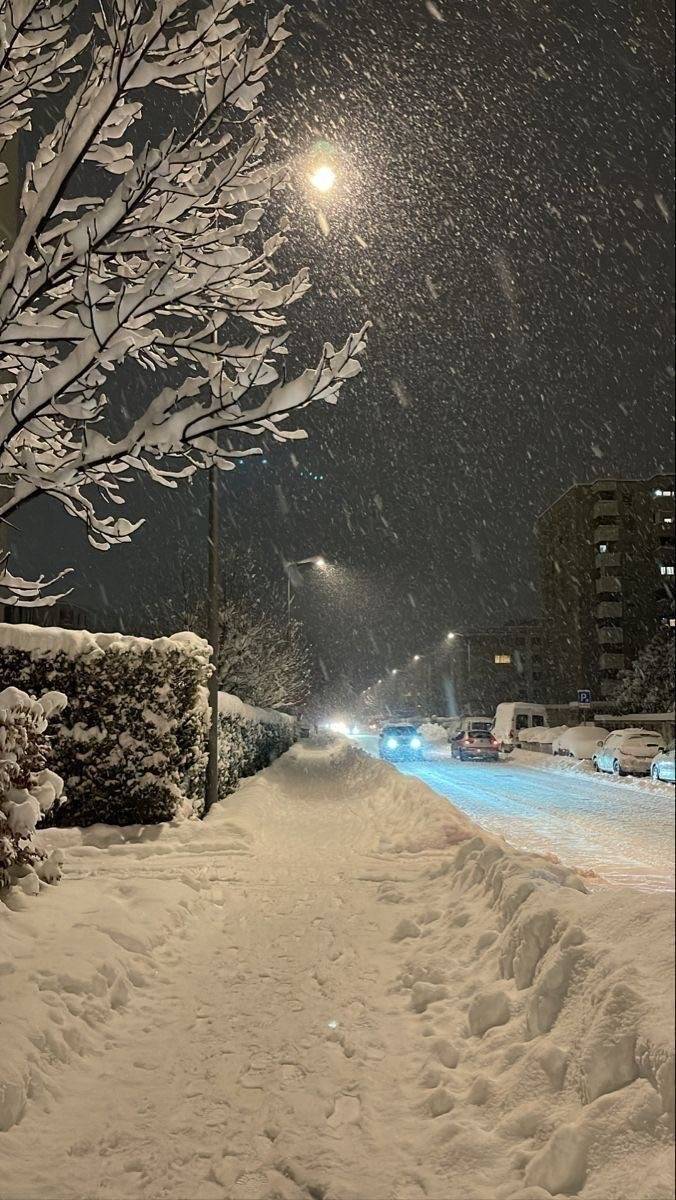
[{"x": 504, "y": 216}]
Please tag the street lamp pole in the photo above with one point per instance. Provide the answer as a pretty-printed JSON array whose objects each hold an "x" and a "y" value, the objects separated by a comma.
[
  {"x": 213, "y": 601},
  {"x": 315, "y": 560}
]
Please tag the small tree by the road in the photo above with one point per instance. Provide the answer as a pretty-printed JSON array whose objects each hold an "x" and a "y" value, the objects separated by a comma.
[
  {"x": 150, "y": 253},
  {"x": 648, "y": 686},
  {"x": 262, "y": 658}
]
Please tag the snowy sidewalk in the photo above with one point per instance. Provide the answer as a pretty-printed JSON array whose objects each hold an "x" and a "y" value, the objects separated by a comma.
[{"x": 302, "y": 998}]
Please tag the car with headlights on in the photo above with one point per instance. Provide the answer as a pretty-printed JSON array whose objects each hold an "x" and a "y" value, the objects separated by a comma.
[
  {"x": 476, "y": 744},
  {"x": 628, "y": 752},
  {"x": 663, "y": 765},
  {"x": 400, "y": 742}
]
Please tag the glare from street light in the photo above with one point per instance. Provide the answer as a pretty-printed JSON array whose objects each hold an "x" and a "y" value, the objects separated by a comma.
[
  {"x": 323, "y": 178},
  {"x": 394, "y": 670},
  {"x": 320, "y": 562},
  {"x": 416, "y": 658},
  {"x": 450, "y": 636}
]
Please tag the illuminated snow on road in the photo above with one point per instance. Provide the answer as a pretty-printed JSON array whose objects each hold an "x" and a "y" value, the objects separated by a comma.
[{"x": 620, "y": 829}]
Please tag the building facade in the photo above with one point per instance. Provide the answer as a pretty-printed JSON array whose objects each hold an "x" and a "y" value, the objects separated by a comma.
[
  {"x": 488, "y": 666},
  {"x": 606, "y": 567}
]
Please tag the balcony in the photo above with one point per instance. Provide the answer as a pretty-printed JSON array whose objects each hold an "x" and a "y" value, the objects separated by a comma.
[
  {"x": 610, "y": 635},
  {"x": 608, "y": 583},
  {"x": 605, "y": 508},
  {"x": 609, "y": 608},
  {"x": 611, "y": 662},
  {"x": 606, "y": 533},
  {"x": 610, "y": 559}
]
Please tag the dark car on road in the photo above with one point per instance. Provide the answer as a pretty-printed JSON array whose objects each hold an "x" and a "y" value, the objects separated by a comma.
[
  {"x": 475, "y": 744},
  {"x": 399, "y": 742}
]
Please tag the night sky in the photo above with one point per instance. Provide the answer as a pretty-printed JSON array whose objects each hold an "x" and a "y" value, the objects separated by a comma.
[{"x": 504, "y": 217}]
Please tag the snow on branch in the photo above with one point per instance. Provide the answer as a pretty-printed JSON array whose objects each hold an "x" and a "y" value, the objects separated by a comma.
[{"x": 165, "y": 263}]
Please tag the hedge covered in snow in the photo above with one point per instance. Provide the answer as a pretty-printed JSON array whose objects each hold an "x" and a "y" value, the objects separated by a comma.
[
  {"x": 249, "y": 739},
  {"x": 28, "y": 787},
  {"x": 132, "y": 744}
]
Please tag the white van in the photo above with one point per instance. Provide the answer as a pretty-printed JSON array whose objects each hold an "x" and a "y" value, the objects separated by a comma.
[
  {"x": 456, "y": 725},
  {"x": 513, "y": 716}
]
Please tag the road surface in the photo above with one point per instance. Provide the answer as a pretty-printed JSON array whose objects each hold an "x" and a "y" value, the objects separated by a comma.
[{"x": 622, "y": 830}]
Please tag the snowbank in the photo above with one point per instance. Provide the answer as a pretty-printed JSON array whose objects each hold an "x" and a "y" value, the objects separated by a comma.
[
  {"x": 361, "y": 993},
  {"x": 433, "y": 734}
]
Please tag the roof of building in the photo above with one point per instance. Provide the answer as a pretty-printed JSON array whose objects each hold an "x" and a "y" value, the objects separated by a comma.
[{"x": 590, "y": 483}]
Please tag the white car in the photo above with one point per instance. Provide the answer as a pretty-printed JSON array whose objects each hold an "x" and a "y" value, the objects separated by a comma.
[
  {"x": 628, "y": 752},
  {"x": 663, "y": 765}
]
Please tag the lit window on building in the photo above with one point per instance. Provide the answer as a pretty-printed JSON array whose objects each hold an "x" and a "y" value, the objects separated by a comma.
[
  {"x": 668, "y": 492},
  {"x": 603, "y": 548},
  {"x": 666, "y": 569},
  {"x": 503, "y": 659}
]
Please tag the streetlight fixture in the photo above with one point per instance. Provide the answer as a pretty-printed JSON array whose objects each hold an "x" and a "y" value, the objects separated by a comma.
[
  {"x": 450, "y": 636},
  {"x": 394, "y": 671},
  {"x": 315, "y": 560},
  {"x": 323, "y": 178},
  {"x": 416, "y": 658}
]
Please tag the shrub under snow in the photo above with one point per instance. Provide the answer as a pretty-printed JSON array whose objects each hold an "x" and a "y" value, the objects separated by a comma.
[
  {"x": 28, "y": 788},
  {"x": 249, "y": 739},
  {"x": 132, "y": 744}
]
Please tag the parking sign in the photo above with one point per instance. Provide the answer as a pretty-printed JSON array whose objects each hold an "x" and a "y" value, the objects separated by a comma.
[{"x": 584, "y": 696}]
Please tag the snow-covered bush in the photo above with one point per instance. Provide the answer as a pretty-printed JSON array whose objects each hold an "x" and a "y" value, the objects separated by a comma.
[
  {"x": 131, "y": 746},
  {"x": 249, "y": 739},
  {"x": 28, "y": 787}
]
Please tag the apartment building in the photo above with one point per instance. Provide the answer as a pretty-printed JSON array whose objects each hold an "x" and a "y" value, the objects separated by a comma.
[
  {"x": 484, "y": 667},
  {"x": 606, "y": 565}
]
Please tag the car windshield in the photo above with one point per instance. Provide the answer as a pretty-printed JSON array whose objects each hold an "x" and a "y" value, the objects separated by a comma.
[
  {"x": 479, "y": 734},
  {"x": 399, "y": 730}
]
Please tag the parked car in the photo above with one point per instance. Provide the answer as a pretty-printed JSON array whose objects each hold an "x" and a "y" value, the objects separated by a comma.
[
  {"x": 663, "y": 765},
  {"x": 401, "y": 741},
  {"x": 580, "y": 741},
  {"x": 511, "y": 717},
  {"x": 628, "y": 752},
  {"x": 475, "y": 744}
]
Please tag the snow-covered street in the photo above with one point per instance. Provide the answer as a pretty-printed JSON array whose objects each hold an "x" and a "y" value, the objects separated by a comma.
[
  {"x": 331, "y": 989},
  {"x": 622, "y": 829}
]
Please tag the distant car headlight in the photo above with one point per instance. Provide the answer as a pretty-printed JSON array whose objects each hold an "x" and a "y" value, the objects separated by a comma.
[
  {"x": 415, "y": 743},
  {"x": 392, "y": 743}
]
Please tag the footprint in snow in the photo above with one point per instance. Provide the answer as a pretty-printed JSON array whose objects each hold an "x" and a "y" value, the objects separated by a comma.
[{"x": 346, "y": 1111}]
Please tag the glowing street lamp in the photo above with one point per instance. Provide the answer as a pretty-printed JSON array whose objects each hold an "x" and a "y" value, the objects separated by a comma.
[
  {"x": 394, "y": 671},
  {"x": 416, "y": 658},
  {"x": 323, "y": 178},
  {"x": 450, "y": 636}
]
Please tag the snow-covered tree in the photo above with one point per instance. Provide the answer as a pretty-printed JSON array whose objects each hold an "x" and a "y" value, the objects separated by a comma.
[
  {"x": 262, "y": 658},
  {"x": 156, "y": 253},
  {"x": 648, "y": 686}
]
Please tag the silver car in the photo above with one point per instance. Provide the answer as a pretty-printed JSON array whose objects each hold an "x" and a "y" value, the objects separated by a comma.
[
  {"x": 663, "y": 765},
  {"x": 628, "y": 752}
]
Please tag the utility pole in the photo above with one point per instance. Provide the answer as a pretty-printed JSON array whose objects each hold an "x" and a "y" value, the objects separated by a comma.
[{"x": 213, "y": 597}]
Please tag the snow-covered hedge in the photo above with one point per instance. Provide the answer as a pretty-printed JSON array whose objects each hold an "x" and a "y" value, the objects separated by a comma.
[
  {"x": 131, "y": 745},
  {"x": 249, "y": 739},
  {"x": 28, "y": 787}
]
